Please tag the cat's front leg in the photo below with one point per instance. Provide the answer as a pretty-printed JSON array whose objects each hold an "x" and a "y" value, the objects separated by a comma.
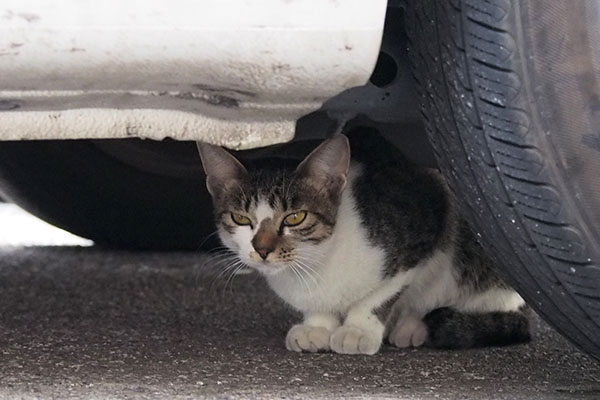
[
  {"x": 313, "y": 334},
  {"x": 362, "y": 333},
  {"x": 364, "y": 326}
]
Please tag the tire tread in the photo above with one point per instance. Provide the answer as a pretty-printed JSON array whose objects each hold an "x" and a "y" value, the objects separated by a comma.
[{"x": 466, "y": 62}]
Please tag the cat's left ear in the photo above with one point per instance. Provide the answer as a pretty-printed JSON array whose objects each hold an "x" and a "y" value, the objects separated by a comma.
[
  {"x": 327, "y": 165},
  {"x": 221, "y": 168}
]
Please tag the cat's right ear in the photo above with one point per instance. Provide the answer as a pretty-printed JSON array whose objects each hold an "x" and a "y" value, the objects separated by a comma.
[{"x": 222, "y": 169}]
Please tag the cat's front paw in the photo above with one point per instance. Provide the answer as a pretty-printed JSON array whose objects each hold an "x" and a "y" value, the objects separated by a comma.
[
  {"x": 352, "y": 340},
  {"x": 409, "y": 331},
  {"x": 307, "y": 338}
]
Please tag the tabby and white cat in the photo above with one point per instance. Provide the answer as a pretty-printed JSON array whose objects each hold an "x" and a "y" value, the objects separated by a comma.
[{"x": 365, "y": 250}]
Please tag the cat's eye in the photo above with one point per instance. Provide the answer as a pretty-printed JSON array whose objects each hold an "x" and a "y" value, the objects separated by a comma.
[
  {"x": 240, "y": 219},
  {"x": 294, "y": 218}
]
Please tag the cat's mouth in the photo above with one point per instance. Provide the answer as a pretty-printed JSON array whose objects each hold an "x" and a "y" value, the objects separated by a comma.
[{"x": 268, "y": 267}]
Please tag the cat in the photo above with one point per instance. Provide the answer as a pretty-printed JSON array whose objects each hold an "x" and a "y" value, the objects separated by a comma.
[{"x": 366, "y": 249}]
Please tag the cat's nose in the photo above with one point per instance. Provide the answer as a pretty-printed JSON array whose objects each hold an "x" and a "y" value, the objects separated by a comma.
[
  {"x": 263, "y": 252},
  {"x": 265, "y": 240}
]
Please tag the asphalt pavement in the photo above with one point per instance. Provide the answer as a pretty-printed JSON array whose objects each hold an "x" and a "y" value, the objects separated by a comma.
[
  {"x": 90, "y": 323},
  {"x": 83, "y": 322}
]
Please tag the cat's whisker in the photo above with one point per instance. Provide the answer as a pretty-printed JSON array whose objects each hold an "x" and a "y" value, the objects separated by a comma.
[
  {"x": 218, "y": 257},
  {"x": 209, "y": 261},
  {"x": 217, "y": 260},
  {"x": 300, "y": 280},
  {"x": 307, "y": 265},
  {"x": 234, "y": 270},
  {"x": 310, "y": 268},
  {"x": 208, "y": 237},
  {"x": 221, "y": 274},
  {"x": 230, "y": 279},
  {"x": 220, "y": 250},
  {"x": 313, "y": 258},
  {"x": 207, "y": 264},
  {"x": 308, "y": 251},
  {"x": 224, "y": 268},
  {"x": 298, "y": 270},
  {"x": 309, "y": 262},
  {"x": 231, "y": 265},
  {"x": 310, "y": 273},
  {"x": 235, "y": 273}
]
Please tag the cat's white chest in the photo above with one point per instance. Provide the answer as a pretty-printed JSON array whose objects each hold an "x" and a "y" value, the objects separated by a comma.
[{"x": 349, "y": 269}]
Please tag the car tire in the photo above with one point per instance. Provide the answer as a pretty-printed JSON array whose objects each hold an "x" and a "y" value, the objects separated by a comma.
[{"x": 509, "y": 91}]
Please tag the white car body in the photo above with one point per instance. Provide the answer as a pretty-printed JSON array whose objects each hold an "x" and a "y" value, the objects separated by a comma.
[{"x": 236, "y": 73}]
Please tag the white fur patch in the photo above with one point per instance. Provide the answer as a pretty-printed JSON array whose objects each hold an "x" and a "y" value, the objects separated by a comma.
[
  {"x": 262, "y": 212},
  {"x": 241, "y": 241}
]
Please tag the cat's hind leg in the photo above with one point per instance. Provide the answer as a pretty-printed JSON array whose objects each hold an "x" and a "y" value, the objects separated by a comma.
[
  {"x": 432, "y": 286},
  {"x": 408, "y": 331},
  {"x": 449, "y": 328},
  {"x": 495, "y": 317}
]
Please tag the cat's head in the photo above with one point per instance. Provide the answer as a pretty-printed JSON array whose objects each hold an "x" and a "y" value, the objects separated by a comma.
[{"x": 277, "y": 218}]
